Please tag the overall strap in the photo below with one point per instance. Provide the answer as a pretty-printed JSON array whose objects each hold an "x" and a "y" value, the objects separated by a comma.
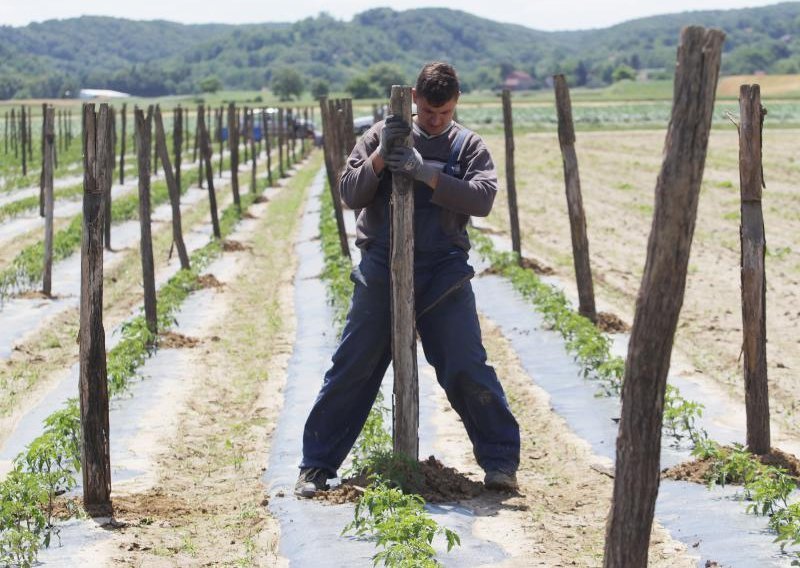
[{"x": 453, "y": 168}]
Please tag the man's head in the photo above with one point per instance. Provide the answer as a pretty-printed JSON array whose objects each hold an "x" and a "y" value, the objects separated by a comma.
[{"x": 436, "y": 96}]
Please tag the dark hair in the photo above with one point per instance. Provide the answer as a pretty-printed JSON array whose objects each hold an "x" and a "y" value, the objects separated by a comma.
[{"x": 437, "y": 83}]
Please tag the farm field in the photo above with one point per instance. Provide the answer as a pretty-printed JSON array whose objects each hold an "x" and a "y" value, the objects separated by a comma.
[{"x": 206, "y": 438}]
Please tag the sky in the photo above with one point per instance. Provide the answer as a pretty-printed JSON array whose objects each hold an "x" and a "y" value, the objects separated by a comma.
[{"x": 537, "y": 14}]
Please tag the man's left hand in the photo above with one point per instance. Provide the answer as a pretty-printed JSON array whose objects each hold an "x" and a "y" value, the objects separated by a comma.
[{"x": 407, "y": 160}]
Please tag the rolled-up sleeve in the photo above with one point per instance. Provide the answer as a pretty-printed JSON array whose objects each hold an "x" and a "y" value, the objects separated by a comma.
[
  {"x": 474, "y": 193},
  {"x": 359, "y": 181}
]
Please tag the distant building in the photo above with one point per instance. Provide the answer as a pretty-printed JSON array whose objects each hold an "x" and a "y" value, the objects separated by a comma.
[
  {"x": 101, "y": 94},
  {"x": 519, "y": 81}
]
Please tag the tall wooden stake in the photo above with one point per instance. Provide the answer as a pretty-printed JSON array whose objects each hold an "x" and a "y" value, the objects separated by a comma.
[
  {"x": 267, "y": 145},
  {"x": 47, "y": 157},
  {"x": 172, "y": 188},
  {"x": 233, "y": 146},
  {"x": 205, "y": 148},
  {"x": 123, "y": 140},
  {"x": 177, "y": 145},
  {"x": 143, "y": 141},
  {"x": 333, "y": 173},
  {"x": 93, "y": 382},
  {"x": 281, "y": 138},
  {"x": 404, "y": 343},
  {"x": 251, "y": 131},
  {"x": 577, "y": 217},
  {"x": 24, "y": 131},
  {"x": 754, "y": 282},
  {"x": 660, "y": 298},
  {"x": 511, "y": 185}
]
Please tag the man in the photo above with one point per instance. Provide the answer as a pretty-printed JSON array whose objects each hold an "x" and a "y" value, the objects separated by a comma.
[{"x": 454, "y": 178}]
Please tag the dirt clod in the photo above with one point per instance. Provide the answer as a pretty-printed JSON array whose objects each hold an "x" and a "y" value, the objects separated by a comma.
[
  {"x": 229, "y": 245},
  {"x": 611, "y": 323},
  {"x": 173, "y": 340},
  {"x": 698, "y": 471},
  {"x": 209, "y": 281}
]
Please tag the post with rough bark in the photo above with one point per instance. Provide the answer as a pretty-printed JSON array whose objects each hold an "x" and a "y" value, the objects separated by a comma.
[
  {"x": 14, "y": 137},
  {"x": 198, "y": 152},
  {"x": 329, "y": 130},
  {"x": 233, "y": 147},
  {"x": 173, "y": 188},
  {"x": 754, "y": 282},
  {"x": 123, "y": 140},
  {"x": 220, "y": 119},
  {"x": 109, "y": 182},
  {"x": 93, "y": 379},
  {"x": 349, "y": 132},
  {"x": 267, "y": 145},
  {"x": 251, "y": 131},
  {"x": 577, "y": 216},
  {"x": 281, "y": 138},
  {"x": 660, "y": 298},
  {"x": 205, "y": 148},
  {"x": 177, "y": 145},
  {"x": 24, "y": 131},
  {"x": 511, "y": 186},
  {"x": 30, "y": 134},
  {"x": 404, "y": 343},
  {"x": 48, "y": 133},
  {"x": 143, "y": 131},
  {"x": 41, "y": 170}
]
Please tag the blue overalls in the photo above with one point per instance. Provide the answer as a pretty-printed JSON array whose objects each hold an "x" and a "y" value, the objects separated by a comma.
[{"x": 448, "y": 327}]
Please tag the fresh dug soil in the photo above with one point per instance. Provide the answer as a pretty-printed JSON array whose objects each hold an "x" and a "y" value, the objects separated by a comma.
[
  {"x": 209, "y": 281},
  {"x": 229, "y": 245},
  {"x": 433, "y": 481},
  {"x": 611, "y": 323},
  {"x": 173, "y": 340},
  {"x": 697, "y": 471},
  {"x": 537, "y": 266},
  {"x": 261, "y": 199}
]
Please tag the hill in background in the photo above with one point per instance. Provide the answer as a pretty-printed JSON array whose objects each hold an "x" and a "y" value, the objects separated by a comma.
[{"x": 159, "y": 58}]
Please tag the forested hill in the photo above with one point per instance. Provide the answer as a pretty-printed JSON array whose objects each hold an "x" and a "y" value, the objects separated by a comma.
[{"x": 157, "y": 57}]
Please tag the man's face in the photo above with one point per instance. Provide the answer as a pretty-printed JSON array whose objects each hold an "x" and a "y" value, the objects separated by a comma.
[{"x": 434, "y": 119}]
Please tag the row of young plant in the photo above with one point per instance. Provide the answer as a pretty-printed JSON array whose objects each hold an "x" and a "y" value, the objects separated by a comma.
[
  {"x": 386, "y": 511},
  {"x": 766, "y": 488},
  {"x": 49, "y": 465},
  {"x": 26, "y": 268}
]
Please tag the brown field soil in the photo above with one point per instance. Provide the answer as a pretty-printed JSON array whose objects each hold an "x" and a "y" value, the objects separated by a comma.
[
  {"x": 698, "y": 471},
  {"x": 618, "y": 174},
  {"x": 771, "y": 85}
]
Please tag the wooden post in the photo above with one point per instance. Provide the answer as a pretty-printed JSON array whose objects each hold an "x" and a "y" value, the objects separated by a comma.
[
  {"x": 511, "y": 187},
  {"x": 5, "y": 134},
  {"x": 47, "y": 159},
  {"x": 212, "y": 194},
  {"x": 173, "y": 188},
  {"x": 123, "y": 140},
  {"x": 24, "y": 130},
  {"x": 577, "y": 217},
  {"x": 349, "y": 133},
  {"x": 155, "y": 159},
  {"x": 196, "y": 134},
  {"x": 220, "y": 118},
  {"x": 281, "y": 139},
  {"x": 267, "y": 145},
  {"x": 109, "y": 182},
  {"x": 233, "y": 146},
  {"x": 93, "y": 382},
  {"x": 143, "y": 139},
  {"x": 404, "y": 343},
  {"x": 30, "y": 134},
  {"x": 754, "y": 282},
  {"x": 333, "y": 172},
  {"x": 246, "y": 132},
  {"x": 177, "y": 145},
  {"x": 660, "y": 298},
  {"x": 14, "y": 136},
  {"x": 251, "y": 130},
  {"x": 41, "y": 170}
]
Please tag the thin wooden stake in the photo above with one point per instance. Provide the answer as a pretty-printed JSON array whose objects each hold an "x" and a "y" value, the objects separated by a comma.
[
  {"x": 233, "y": 146},
  {"x": 93, "y": 382},
  {"x": 637, "y": 472},
  {"x": 511, "y": 186},
  {"x": 404, "y": 342},
  {"x": 577, "y": 217},
  {"x": 205, "y": 144},
  {"x": 143, "y": 141},
  {"x": 173, "y": 189},
  {"x": 754, "y": 282},
  {"x": 48, "y": 155}
]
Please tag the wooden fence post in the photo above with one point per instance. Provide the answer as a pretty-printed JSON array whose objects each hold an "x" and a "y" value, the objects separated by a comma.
[
  {"x": 349, "y": 132},
  {"x": 143, "y": 140},
  {"x": 577, "y": 216},
  {"x": 93, "y": 382},
  {"x": 660, "y": 298},
  {"x": 267, "y": 145},
  {"x": 221, "y": 119},
  {"x": 511, "y": 187},
  {"x": 47, "y": 158},
  {"x": 41, "y": 169},
  {"x": 212, "y": 194},
  {"x": 754, "y": 282},
  {"x": 404, "y": 343},
  {"x": 177, "y": 145},
  {"x": 109, "y": 182},
  {"x": 24, "y": 130},
  {"x": 123, "y": 141},
  {"x": 173, "y": 188},
  {"x": 329, "y": 129},
  {"x": 233, "y": 147},
  {"x": 252, "y": 132},
  {"x": 281, "y": 137},
  {"x": 14, "y": 135},
  {"x": 30, "y": 135}
]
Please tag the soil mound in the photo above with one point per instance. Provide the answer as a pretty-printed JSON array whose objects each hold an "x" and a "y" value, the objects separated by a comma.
[
  {"x": 174, "y": 340},
  {"x": 435, "y": 482},
  {"x": 233, "y": 246},
  {"x": 698, "y": 471},
  {"x": 209, "y": 281},
  {"x": 536, "y": 266},
  {"x": 261, "y": 199},
  {"x": 611, "y": 323}
]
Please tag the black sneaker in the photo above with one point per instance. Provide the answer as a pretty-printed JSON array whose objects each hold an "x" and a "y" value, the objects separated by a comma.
[{"x": 310, "y": 481}]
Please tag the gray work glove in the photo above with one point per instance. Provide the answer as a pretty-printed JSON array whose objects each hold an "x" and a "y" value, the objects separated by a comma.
[
  {"x": 408, "y": 161},
  {"x": 395, "y": 130}
]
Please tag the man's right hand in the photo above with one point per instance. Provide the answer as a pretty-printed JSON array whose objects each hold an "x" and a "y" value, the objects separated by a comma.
[{"x": 394, "y": 129}]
